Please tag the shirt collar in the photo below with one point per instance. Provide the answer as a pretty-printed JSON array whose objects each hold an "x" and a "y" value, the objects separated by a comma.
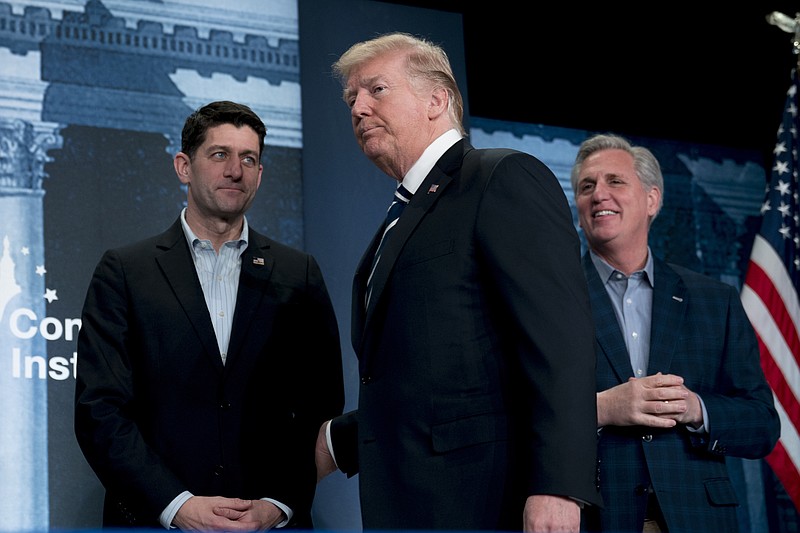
[
  {"x": 606, "y": 271},
  {"x": 191, "y": 238},
  {"x": 416, "y": 174}
]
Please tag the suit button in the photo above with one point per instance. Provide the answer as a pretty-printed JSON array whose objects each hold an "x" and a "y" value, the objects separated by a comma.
[
  {"x": 365, "y": 380},
  {"x": 647, "y": 437},
  {"x": 218, "y": 470},
  {"x": 225, "y": 406}
]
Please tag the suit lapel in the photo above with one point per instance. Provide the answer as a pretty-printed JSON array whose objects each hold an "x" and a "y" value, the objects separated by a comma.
[
  {"x": 358, "y": 313},
  {"x": 177, "y": 265},
  {"x": 431, "y": 189},
  {"x": 608, "y": 335},
  {"x": 257, "y": 266},
  {"x": 669, "y": 311}
]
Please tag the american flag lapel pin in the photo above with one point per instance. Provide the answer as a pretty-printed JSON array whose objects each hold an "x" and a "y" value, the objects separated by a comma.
[
  {"x": 258, "y": 261},
  {"x": 433, "y": 188}
]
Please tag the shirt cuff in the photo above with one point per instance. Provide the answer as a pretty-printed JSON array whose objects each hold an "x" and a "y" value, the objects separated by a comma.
[
  {"x": 168, "y": 514},
  {"x": 329, "y": 442},
  {"x": 288, "y": 512}
]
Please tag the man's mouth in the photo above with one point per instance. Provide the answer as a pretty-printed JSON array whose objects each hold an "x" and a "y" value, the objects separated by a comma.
[{"x": 604, "y": 212}]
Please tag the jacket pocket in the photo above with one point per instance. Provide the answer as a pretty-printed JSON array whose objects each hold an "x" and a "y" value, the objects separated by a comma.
[
  {"x": 469, "y": 431},
  {"x": 720, "y": 492}
]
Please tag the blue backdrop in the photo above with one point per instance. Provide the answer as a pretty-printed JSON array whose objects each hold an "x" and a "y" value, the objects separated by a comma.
[{"x": 93, "y": 94}]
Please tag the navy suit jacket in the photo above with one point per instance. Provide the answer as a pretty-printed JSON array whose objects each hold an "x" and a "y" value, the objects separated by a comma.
[
  {"x": 700, "y": 332},
  {"x": 475, "y": 354},
  {"x": 157, "y": 413}
]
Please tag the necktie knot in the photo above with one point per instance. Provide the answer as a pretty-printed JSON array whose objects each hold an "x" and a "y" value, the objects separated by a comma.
[
  {"x": 402, "y": 194},
  {"x": 399, "y": 202}
]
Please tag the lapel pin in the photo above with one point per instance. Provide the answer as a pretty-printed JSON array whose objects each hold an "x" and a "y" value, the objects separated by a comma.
[
  {"x": 433, "y": 188},
  {"x": 677, "y": 299},
  {"x": 258, "y": 261}
]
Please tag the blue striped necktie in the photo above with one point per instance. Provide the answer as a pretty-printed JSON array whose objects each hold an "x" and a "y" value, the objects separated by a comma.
[{"x": 401, "y": 198}]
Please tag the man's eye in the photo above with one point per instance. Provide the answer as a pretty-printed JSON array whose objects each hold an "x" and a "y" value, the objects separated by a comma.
[{"x": 249, "y": 161}]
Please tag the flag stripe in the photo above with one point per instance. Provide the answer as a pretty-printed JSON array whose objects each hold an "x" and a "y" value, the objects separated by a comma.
[
  {"x": 767, "y": 313},
  {"x": 770, "y": 294},
  {"x": 786, "y": 472},
  {"x": 779, "y": 366},
  {"x": 781, "y": 385},
  {"x": 767, "y": 276}
]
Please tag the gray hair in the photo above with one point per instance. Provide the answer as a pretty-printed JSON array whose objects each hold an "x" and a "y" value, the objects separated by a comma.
[
  {"x": 645, "y": 164},
  {"x": 425, "y": 61}
]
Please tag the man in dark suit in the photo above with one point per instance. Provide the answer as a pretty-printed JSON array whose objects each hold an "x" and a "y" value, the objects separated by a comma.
[
  {"x": 208, "y": 355},
  {"x": 476, "y": 407},
  {"x": 679, "y": 385}
]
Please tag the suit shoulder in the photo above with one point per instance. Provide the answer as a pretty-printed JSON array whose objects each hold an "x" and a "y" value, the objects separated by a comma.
[
  {"x": 286, "y": 257},
  {"x": 136, "y": 248},
  {"x": 169, "y": 236},
  {"x": 487, "y": 160},
  {"x": 262, "y": 241},
  {"x": 698, "y": 281},
  {"x": 495, "y": 155}
]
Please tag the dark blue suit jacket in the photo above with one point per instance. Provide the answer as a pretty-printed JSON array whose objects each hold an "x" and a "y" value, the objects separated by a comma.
[
  {"x": 476, "y": 353},
  {"x": 158, "y": 413},
  {"x": 700, "y": 332}
]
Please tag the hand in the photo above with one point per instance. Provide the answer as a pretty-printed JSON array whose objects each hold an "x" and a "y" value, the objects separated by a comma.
[
  {"x": 657, "y": 401},
  {"x": 545, "y": 513},
  {"x": 215, "y": 513},
  {"x": 253, "y": 515},
  {"x": 322, "y": 457}
]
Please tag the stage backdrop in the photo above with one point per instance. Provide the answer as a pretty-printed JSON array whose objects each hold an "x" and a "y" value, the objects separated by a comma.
[{"x": 93, "y": 94}]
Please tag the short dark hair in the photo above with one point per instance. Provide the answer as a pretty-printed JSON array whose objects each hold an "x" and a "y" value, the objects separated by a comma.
[{"x": 216, "y": 114}]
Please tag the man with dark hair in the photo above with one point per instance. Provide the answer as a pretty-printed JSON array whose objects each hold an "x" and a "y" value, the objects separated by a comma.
[{"x": 208, "y": 355}]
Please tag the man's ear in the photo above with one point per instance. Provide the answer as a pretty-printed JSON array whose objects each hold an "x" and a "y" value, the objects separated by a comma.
[
  {"x": 439, "y": 101},
  {"x": 653, "y": 201},
  {"x": 182, "y": 165}
]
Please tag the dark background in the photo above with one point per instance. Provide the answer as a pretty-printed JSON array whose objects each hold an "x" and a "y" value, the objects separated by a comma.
[{"x": 680, "y": 70}]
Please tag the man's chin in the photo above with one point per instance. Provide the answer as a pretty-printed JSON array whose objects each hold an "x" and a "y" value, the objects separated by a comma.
[{"x": 373, "y": 152}]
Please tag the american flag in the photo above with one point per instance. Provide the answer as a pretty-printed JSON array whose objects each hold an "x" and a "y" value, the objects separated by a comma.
[{"x": 770, "y": 293}]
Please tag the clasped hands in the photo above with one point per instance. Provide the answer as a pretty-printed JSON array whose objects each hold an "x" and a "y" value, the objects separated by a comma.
[
  {"x": 216, "y": 513},
  {"x": 660, "y": 401}
]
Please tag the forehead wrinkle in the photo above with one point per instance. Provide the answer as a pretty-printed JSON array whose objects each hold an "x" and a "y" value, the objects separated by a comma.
[
  {"x": 361, "y": 81},
  {"x": 352, "y": 89}
]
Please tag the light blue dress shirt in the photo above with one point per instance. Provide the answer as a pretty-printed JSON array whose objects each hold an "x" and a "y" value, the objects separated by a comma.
[
  {"x": 632, "y": 299},
  {"x": 219, "y": 279}
]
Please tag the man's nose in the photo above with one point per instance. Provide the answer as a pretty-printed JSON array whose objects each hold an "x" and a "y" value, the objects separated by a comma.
[
  {"x": 234, "y": 169},
  {"x": 600, "y": 191},
  {"x": 360, "y": 106}
]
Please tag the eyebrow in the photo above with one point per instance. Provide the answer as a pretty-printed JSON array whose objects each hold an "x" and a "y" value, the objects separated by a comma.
[
  {"x": 221, "y": 147},
  {"x": 364, "y": 81}
]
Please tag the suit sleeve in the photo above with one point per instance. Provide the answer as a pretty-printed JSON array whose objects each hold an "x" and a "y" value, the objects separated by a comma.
[
  {"x": 104, "y": 397},
  {"x": 743, "y": 421},
  {"x": 344, "y": 437},
  {"x": 532, "y": 250},
  {"x": 318, "y": 392}
]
